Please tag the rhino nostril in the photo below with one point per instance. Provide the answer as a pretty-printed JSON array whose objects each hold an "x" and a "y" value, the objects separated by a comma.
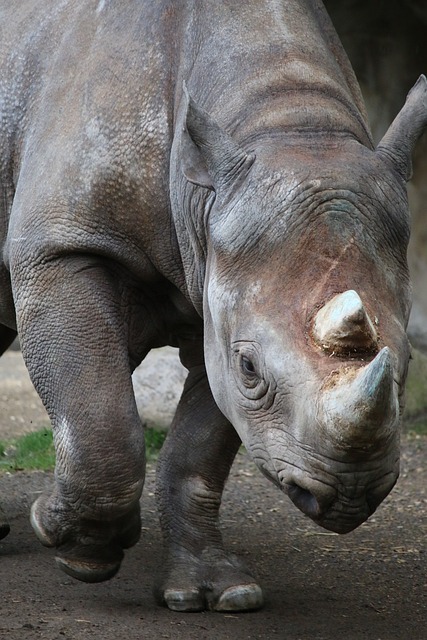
[{"x": 304, "y": 500}]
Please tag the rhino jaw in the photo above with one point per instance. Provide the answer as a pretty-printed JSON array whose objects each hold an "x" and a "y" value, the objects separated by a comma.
[
  {"x": 342, "y": 325},
  {"x": 359, "y": 409}
]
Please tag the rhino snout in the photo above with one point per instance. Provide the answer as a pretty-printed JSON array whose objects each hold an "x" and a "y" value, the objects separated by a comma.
[
  {"x": 313, "y": 503},
  {"x": 356, "y": 464},
  {"x": 343, "y": 508}
]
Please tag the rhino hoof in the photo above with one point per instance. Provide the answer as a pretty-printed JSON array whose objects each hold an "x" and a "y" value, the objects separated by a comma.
[
  {"x": 90, "y": 551},
  {"x": 88, "y": 571},
  {"x": 247, "y": 597},
  {"x": 38, "y": 528},
  {"x": 184, "y": 600}
]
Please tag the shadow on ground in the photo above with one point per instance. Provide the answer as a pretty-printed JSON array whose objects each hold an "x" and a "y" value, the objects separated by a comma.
[{"x": 370, "y": 584}]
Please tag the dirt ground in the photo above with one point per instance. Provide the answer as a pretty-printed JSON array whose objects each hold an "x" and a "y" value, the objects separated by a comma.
[{"x": 370, "y": 584}]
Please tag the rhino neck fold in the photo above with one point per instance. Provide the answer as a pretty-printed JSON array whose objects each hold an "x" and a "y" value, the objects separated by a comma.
[
  {"x": 306, "y": 84},
  {"x": 190, "y": 222}
]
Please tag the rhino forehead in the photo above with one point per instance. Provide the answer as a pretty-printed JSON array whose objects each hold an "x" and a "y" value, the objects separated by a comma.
[
  {"x": 279, "y": 209},
  {"x": 225, "y": 301},
  {"x": 265, "y": 201}
]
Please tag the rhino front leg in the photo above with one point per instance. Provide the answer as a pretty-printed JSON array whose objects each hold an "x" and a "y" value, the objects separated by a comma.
[
  {"x": 193, "y": 466},
  {"x": 74, "y": 341}
]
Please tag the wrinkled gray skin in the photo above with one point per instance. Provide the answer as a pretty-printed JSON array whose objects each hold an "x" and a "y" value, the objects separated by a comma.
[{"x": 252, "y": 224}]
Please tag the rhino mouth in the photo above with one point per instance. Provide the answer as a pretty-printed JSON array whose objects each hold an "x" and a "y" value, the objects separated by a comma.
[
  {"x": 338, "y": 517},
  {"x": 344, "y": 517},
  {"x": 340, "y": 514}
]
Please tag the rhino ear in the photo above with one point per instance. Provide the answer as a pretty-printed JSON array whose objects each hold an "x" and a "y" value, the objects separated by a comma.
[
  {"x": 401, "y": 137},
  {"x": 210, "y": 157}
]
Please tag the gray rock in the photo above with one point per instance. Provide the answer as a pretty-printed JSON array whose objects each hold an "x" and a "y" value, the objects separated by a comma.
[{"x": 158, "y": 384}]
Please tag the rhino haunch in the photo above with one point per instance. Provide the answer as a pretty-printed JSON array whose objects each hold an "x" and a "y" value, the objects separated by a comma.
[{"x": 202, "y": 175}]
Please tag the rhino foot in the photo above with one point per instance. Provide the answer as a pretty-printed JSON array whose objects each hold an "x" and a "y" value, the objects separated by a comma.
[
  {"x": 88, "y": 550},
  {"x": 244, "y": 597},
  {"x": 89, "y": 571},
  {"x": 196, "y": 585}
]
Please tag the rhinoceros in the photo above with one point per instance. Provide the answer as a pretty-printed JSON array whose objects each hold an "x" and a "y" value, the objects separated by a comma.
[{"x": 201, "y": 174}]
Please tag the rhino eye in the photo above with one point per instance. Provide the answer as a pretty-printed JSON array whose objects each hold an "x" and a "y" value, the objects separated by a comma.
[
  {"x": 249, "y": 372},
  {"x": 251, "y": 376},
  {"x": 247, "y": 366}
]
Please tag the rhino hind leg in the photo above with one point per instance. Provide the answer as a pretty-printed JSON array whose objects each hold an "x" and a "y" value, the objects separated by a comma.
[{"x": 195, "y": 461}]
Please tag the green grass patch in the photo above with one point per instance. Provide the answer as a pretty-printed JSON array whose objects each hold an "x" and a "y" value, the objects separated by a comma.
[
  {"x": 36, "y": 451},
  {"x": 154, "y": 439},
  {"x": 32, "y": 451}
]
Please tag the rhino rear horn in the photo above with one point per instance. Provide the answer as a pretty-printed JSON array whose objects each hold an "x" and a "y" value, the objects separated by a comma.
[
  {"x": 210, "y": 156},
  {"x": 399, "y": 141},
  {"x": 364, "y": 408},
  {"x": 343, "y": 325}
]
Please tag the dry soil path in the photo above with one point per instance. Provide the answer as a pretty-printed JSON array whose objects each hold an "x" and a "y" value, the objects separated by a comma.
[{"x": 370, "y": 584}]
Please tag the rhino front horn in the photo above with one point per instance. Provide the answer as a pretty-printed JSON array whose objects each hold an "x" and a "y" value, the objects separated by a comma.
[
  {"x": 343, "y": 325},
  {"x": 361, "y": 406}
]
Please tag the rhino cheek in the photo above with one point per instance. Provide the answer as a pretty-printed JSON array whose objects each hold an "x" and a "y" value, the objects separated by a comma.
[
  {"x": 217, "y": 371},
  {"x": 218, "y": 314},
  {"x": 250, "y": 425}
]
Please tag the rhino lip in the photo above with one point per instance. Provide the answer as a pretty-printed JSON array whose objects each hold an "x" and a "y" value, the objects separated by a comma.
[{"x": 341, "y": 525}]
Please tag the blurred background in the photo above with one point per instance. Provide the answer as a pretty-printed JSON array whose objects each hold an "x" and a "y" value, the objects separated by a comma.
[{"x": 386, "y": 42}]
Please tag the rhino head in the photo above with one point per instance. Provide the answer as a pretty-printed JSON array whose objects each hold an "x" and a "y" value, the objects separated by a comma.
[{"x": 306, "y": 298}]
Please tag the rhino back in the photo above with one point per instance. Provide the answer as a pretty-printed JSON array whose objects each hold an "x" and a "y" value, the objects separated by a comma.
[
  {"x": 89, "y": 95},
  {"x": 86, "y": 106}
]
